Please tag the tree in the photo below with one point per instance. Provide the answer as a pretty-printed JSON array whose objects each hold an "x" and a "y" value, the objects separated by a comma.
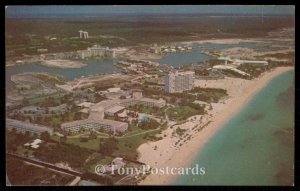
[
  {"x": 92, "y": 135},
  {"x": 108, "y": 146},
  {"x": 77, "y": 116},
  {"x": 122, "y": 97},
  {"x": 149, "y": 124},
  {"x": 63, "y": 139},
  {"x": 25, "y": 101},
  {"x": 27, "y": 134},
  {"x": 47, "y": 110},
  {"x": 173, "y": 100},
  {"x": 45, "y": 136},
  {"x": 14, "y": 131}
]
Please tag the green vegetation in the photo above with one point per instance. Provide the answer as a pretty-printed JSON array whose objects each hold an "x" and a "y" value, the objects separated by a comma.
[
  {"x": 146, "y": 109},
  {"x": 92, "y": 144},
  {"x": 149, "y": 124},
  {"x": 180, "y": 131},
  {"x": 23, "y": 174},
  {"x": 127, "y": 146},
  {"x": 288, "y": 55},
  {"x": 74, "y": 155},
  {"x": 45, "y": 136},
  {"x": 151, "y": 70},
  {"x": 108, "y": 146},
  {"x": 256, "y": 70},
  {"x": 209, "y": 94},
  {"x": 15, "y": 140},
  {"x": 123, "y": 31},
  {"x": 50, "y": 78},
  {"x": 148, "y": 91},
  {"x": 180, "y": 113}
]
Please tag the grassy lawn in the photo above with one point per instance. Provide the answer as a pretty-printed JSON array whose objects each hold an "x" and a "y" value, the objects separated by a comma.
[
  {"x": 134, "y": 129},
  {"x": 148, "y": 110},
  {"x": 91, "y": 144},
  {"x": 54, "y": 138},
  {"x": 127, "y": 146},
  {"x": 143, "y": 109},
  {"x": 102, "y": 134},
  {"x": 181, "y": 112},
  {"x": 98, "y": 159},
  {"x": 22, "y": 150},
  {"x": 23, "y": 174},
  {"x": 40, "y": 99}
]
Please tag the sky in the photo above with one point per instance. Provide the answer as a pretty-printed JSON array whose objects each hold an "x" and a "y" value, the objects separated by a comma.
[{"x": 23, "y": 11}]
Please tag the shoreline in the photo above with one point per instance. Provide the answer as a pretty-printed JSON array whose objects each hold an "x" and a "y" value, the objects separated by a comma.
[
  {"x": 240, "y": 93},
  {"x": 64, "y": 64}
]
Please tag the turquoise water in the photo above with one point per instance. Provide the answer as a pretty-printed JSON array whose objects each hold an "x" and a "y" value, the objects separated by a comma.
[
  {"x": 144, "y": 118},
  {"x": 256, "y": 147}
]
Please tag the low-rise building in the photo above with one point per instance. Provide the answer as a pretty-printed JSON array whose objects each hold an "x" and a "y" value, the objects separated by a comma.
[
  {"x": 152, "y": 102},
  {"x": 155, "y": 49},
  {"x": 97, "y": 50},
  {"x": 93, "y": 124},
  {"x": 23, "y": 127},
  {"x": 111, "y": 108},
  {"x": 137, "y": 98},
  {"x": 113, "y": 111}
]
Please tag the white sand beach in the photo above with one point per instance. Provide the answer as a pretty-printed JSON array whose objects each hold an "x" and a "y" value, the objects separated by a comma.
[{"x": 168, "y": 153}]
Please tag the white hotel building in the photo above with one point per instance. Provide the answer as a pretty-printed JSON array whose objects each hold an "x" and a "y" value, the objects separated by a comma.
[
  {"x": 97, "y": 50},
  {"x": 94, "y": 124},
  {"x": 23, "y": 127},
  {"x": 176, "y": 82},
  {"x": 111, "y": 108}
]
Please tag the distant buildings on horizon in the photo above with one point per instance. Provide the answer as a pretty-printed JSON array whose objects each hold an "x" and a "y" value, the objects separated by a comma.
[
  {"x": 83, "y": 34},
  {"x": 97, "y": 50}
]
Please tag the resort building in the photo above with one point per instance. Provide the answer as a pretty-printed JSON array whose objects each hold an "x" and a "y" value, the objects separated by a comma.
[
  {"x": 143, "y": 101},
  {"x": 23, "y": 127},
  {"x": 115, "y": 107},
  {"x": 83, "y": 34},
  {"x": 93, "y": 124},
  {"x": 113, "y": 111},
  {"x": 155, "y": 49},
  {"x": 97, "y": 50},
  {"x": 179, "y": 81}
]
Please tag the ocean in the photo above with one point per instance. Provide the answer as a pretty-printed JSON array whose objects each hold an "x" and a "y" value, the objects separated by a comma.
[{"x": 256, "y": 147}]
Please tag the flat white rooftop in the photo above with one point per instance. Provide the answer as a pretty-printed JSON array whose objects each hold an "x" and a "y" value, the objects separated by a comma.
[
  {"x": 115, "y": 109},
  {"x": 27, "y": 125},
  {"x": 101, "y": 121}
]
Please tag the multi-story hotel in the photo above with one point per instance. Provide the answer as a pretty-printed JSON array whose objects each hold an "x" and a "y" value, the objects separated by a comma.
[
  {"x": 23, "y": 127},
  {"x": 90, "y": 124},
  {"x": 179, "y": 81},
  {"x": 97, "y": 50},
  {"x": 143, "y": 101},
  {"x": 110, "y": 108}
]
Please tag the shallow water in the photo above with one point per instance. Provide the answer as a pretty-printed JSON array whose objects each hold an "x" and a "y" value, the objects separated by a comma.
[
  {"x": 95, "y": 66},
  {"x": 256, "y": 147}
]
